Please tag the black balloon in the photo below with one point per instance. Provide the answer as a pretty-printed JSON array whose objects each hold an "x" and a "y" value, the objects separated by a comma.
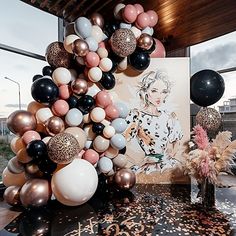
[
  {"x": 115, "y": 60},
  {"x": 122, "y": 151},
  {"x": 36, "y": 77},
  {"x": 108, "y": 80},
  {"x": 85, "y": 104},
  {"x": 37, "y": 149},
  {"x": 206, "y": 87},
  {"x": 97, "y": 128},
  {"x": 139, "y": 60},
  {"x": 110, "y": 28},
  {"x": 72, "y": 101},
  {"x": 44, "y": 90},
  {"x": 47, "y": 166},
  {"x": 47, "y": 70}
]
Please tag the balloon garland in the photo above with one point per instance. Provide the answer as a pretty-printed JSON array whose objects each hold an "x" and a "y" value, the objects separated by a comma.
[{"x": 72, "y": 131}]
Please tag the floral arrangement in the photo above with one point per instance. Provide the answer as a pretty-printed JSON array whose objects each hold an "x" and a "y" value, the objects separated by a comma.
[{"x": 205, "y": 159}]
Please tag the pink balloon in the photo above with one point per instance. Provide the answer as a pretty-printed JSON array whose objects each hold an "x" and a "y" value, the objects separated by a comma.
[
  {"x": 111, "y": 112},
  {"x": 64, "y": 91},
  {"x": 60, "y": 107},
  {"x": 91, "y": 156},
  {"x": 153, "y": 18},
  {"x": 103, "y": 99},
  {"x": 129, "y": 13},
  {"x": 102, "y": 45},
  {"x": 159, "y": 51},
  {"x": 92, "y": 59},
  {"x": 143, "y": 20},
  {"x": 139, "y": 8},
  {"x": 30, "y": 135}
]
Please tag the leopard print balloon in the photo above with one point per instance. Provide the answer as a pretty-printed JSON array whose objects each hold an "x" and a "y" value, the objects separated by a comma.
[
  {"x": 57, "y": 56},
  {"x": 209, "y": 119},
  {"x": 63, "y": 148},
  {"x": 123, "y": 42}
]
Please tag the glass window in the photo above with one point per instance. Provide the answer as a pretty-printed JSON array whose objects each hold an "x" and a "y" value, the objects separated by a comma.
[
  {"x": 26, "y": 27},
  {"x": 215, "y": 54}
]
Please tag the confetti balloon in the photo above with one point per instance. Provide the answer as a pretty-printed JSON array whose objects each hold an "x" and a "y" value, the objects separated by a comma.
[
  {"x": 63, "y": 148},
  {"x": 123, "y": 42},
  {"x": 209, "y": 118}
]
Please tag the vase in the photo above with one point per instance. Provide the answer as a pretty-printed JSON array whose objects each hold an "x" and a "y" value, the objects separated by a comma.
[{"x": 207, "y": 194}]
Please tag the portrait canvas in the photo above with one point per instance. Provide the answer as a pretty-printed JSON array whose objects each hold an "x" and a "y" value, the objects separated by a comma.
[{"x": 159, "y": 119}]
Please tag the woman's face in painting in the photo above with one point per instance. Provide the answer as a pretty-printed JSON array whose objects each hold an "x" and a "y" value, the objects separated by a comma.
[{"x": 157, "y": 93}]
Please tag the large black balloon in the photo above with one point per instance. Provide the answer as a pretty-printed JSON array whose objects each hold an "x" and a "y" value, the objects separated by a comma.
[
  {"x": 47, "y": 166},
  {"x": 37, "y": 149},
  {"x": 72, "y": 101},
  {"x": 110, "y": 27},
  {"x": 36, "y": 77},
  {"x": 206, "y": 87},
  {"x": 108, "y": 80},
  {"x": 44, "y": 90},
  {"x": 47, "y": 70},
  {"x": 85, "y": 104},
  {"x": 139, "y": 60}
]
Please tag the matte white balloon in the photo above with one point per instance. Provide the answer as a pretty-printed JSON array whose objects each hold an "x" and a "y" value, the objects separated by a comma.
[
  {"x": 86, "y": 119},
  {"x": 83, "y": 27},
  {"x": 118, "y": 141},
  {"x": 97, "y": 114},
  {"x": 93, "y": 89},
  {"x": 92, "y": 43},
  {"x": 111, "y": 152},
  {"x": 46, "y": 139},
  {"x": 123, "y": 109},
  {"x": 61, "y": 76},
  {"x": 88, "y": 144},
  {"x": 95, "y": 74},
  {"x": 105, "y": 165},
  {"x": 148, "y": 30},
  {"x": 43, "y": 114},
  {"x": 119, "y": 125},
  {"x": 105, "y": 64},
  {"x": 97, "y": 33},
  {"x": 75, "y": 183},
  {"x": 109, "y": 131},
  {"x": 89, "y": 132},
  {"x": 68, "y": 42},
  {"x": 102, "y": 52},
  {"x": 117, "y": 11},
  {"x": 137, "y": 32},
  {"x": 125, "y": 26},
  {"x": 74, "y": 117},
  {"x": 120, "y": 161},
  {"x": 123, "y": 64},
  {"x": 101, "y": 144}
]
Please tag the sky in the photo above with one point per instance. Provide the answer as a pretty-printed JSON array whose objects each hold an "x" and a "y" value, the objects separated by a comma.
[{"x": 33, "y": 30}]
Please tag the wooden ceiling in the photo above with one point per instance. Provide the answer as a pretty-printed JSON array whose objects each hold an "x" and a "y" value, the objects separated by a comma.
[{"x": 181, "y": 23}]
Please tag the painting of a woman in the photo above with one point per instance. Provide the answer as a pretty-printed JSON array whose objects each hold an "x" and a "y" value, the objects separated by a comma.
[{"x": 154, "y": 124}]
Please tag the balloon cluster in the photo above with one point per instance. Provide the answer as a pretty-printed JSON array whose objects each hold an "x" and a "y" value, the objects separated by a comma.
[
  {"x": 206, "y": 88},
  {"x": 73, "y": 130}
]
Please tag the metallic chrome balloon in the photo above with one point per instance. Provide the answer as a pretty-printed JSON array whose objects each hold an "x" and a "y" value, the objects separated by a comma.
[
  {"x": 125, "y": 179},
  {"x": 22, "y": 156},
  {"x": 55, "y": 125},
  {"x": 63, "y": 148},
  {"x": 57, "y": 56},
  {"x": 21, "y": 121},
  {"x": 209, "y": 118},
  {"x": 145, "y": 41},
  {"x": 79, "y": 86},
  {"x": 12, "y": 195},
  {"x": 35, "y": 193},
  {"x": 97, "y": 19},
  {"x": 80, "y": 47},
  {"x": 123, "y": 42}
]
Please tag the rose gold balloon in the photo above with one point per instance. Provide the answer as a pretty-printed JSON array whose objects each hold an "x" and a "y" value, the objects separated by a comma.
[
  {"x": 33, "y": 107},
  {"x": 55, "y": 125},
  {"x": 97, "y": 19},
  {"x": 41, "y": 128},
  {"x": 145, "y": 41},
  {"x": 80, "y": 47},
  {"x": 12, "y": 195},
  {"x": 17, "y": 144},
  {"x": 21, "y": 121},
  {"x": 22, "y": 156},
  {"x": 35, "y": 193},
  {"x": 79, "y": 86},
  {"x": 125, "y": 179},
  {"x": 10, "y": 179},
  {"x": 31, "y": 168},
  {"x": 63, "y": 148},
  {"x": 14, "y": 166}
]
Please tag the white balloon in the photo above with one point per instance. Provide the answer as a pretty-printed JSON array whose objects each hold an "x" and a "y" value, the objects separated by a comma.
[
  {"x": 74, "y": 117},
  {"x": 88, "y": 144},
  {"x": 102, "y": 52},
  {"x": 43, "y": 114},
  {"x": 117, "y": 11},
  {"x": 119, "y": 125},
  {"x": 46, "y": 139},
  {"x": 97, "y": 33},
  {"x": 105, "y": 164},
  {"x": 109, "y": 131},
  {"x": 137, "y": 32},
  {"x": 89, "y": 132},
  {"x": 123, "y": 109},
  {"x": 105, "y": 64},
  {"x": 92, "y": 43},
  {"x": 61, "y": 76},
  {"x": 97, "y": 114},
  {"x": 83, "y": 27},
  {"x": 118, "y": 141},
  {"x": 93, "y": 89},
  {"x": 123, "y": 64},
  {"x": 111, "y": 152},
  {"x": 148, "y": 30},
  {"x": 95, "y": 74},
  {"x": 76, "y": 183},
  {"x": 125, "y": 26}
]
